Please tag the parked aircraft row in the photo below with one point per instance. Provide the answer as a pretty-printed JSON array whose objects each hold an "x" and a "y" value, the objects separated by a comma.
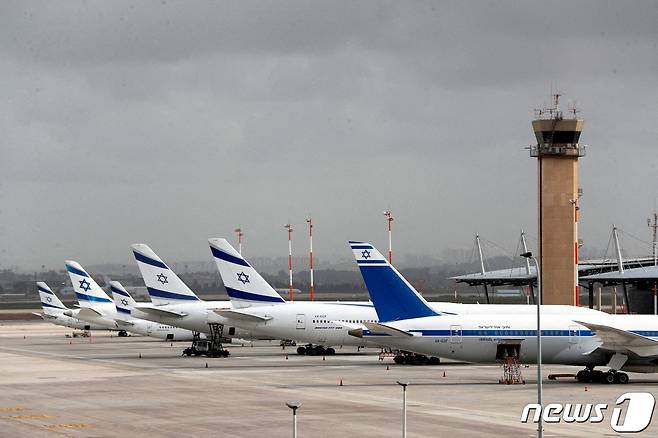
[{"x": 397, "y": 317}]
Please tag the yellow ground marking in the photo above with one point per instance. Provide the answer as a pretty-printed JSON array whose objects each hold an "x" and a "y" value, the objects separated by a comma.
[
  {"x": 33, "y": 417},
  {"x": 66, "y": 426},
  {"x": 11, "y": 409}
]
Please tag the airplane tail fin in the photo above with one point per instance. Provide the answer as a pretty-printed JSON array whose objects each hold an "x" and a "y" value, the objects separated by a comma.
[
  {"x": 162, "y": 284},
  {"x": 87, "y": 291},
  {"x": 244, "y": 286},
  {"x": 122, "y": 300},
  {"x": 49, "y": 301},
  {"x": 392, "y": 295}
]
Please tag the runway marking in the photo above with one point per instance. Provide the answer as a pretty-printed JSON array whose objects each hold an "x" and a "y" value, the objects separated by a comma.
[
  {"x": 66, "y": 426},
  {"x": 15, "y": 409},
  {"x": 33, "y": 417}
]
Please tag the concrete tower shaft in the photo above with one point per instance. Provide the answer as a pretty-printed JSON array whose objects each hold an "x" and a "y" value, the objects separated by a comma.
[{"x": 557, "y": 152}]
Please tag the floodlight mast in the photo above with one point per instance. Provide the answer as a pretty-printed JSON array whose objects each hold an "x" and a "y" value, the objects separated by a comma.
[
  {"x": 540, "y": 428},
  {"x": 389, "y": 220},
  {"x": 310, "y": 254},
  {"x": 294, "y": 405},
  {"x": 288, "y": 227},
  {"x": 240, "y": 234}
]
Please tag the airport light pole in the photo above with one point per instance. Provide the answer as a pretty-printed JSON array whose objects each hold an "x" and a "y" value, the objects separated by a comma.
[
  {"x": 389, "y": 219},
  {"x": 540, "y": 426},
  {"x": 404, "y": 407},
  {"x": 310, "y": 253},
  {"x": 294, "y": 405},
  {"x": 240, "y": 234},
  {"x": 288, "y": 227}
]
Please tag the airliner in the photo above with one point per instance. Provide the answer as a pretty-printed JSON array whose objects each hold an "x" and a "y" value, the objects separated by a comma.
[
  {"x": 97, "y": 307},
  {"x": 54, "y": 311},
  {"x": 589, "y": 339},
  {"x": 174, "y": 303},
  {"x": 127, "y": 321},
  {"x": 259, "y": 308}
]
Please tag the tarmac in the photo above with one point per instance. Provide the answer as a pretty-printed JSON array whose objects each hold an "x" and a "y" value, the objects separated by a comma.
[{"x": 106, "y": 386}]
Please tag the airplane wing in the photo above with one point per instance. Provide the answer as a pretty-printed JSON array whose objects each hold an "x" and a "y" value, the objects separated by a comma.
[
  {"x": 155, "y": 311},
  {"x": 244, "y": 316},
  {"x": 622, "y": 341},
  {"x": 38, "y": 314},
  {"x": 382, "y": 328}
]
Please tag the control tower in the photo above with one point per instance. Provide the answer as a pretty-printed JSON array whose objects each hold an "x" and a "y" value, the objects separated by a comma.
[{"x": 557, "y": 152}]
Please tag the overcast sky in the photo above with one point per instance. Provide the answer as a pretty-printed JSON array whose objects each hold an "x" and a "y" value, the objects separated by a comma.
[{"x": 170, "y": 122}]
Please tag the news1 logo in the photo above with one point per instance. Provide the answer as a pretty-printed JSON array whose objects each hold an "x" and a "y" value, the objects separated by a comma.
[{"x": 639, "y": 411}]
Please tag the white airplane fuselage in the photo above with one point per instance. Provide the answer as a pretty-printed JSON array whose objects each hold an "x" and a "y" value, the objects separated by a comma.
[
  {"x": 109, "y": 317},
  {"x": 71, "y": 322},
  {"x": 328, "y": 323},
  {"x": 477, "y": 338},
  {"x": 194, "y": 316}
]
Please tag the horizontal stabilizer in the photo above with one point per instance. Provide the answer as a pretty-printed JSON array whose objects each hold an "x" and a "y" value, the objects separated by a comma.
[
  {"x": 38, "y": 314},
  {"x": 243, "y": 316},
  {"x": 161, "y": 312},
  {"x": 88, "y": 312},
  {"x": 622, "y": 341},
  {"x": 376, "y": 327}
]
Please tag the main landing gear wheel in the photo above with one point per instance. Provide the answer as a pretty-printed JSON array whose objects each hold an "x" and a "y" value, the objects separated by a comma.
[
  {"x": 621, "y": 378},
  {"x": 584, "y": 376}
]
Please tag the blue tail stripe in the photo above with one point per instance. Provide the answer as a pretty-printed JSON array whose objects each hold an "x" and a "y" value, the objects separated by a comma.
[
  {"x": 119, "y": 291},
  {"x": 75, "y": 270},
  {"x": 53, "y": 306},
  {"x": 122, "y": 310},
  {"x": 242, "y": 295},
  {"x": 392, "y": 297},
  {"x": 164, "y": 294},
  {"x": 86, "y": 297},
  {"x": 362, "y": 247},
  {"x": 149, "y": 261},
  {"x": 228, "y": 257},
  {"x": 45, "y": 290}
]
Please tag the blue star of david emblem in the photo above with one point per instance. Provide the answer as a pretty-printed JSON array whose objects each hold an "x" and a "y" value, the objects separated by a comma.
[
  {"x": 124, "y": 301},
  {"x": 49, "y": 299},
  {"x": 84, "y": 285},
  {"x": 162, "y": 278},
  {"x": 243, "y": 278},
  {"x": 365, "y": 254}
]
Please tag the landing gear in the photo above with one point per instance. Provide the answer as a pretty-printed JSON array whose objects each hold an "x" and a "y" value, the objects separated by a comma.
[
  {"x": 315, "y": 350},
  {"x": 211, "y": 346},
  {"x": 407, "y": 358},
  {"x": 122, "y": 334},
  {"x": 590, "y": 375},
  {"x": 621, "y": 378}
]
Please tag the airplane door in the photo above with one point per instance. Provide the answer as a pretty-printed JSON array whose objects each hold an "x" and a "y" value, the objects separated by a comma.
[
  {"x": 574, "y": 333},
  {"x": 455, "y": 334},
  {"x": 301, "y": 321}
]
